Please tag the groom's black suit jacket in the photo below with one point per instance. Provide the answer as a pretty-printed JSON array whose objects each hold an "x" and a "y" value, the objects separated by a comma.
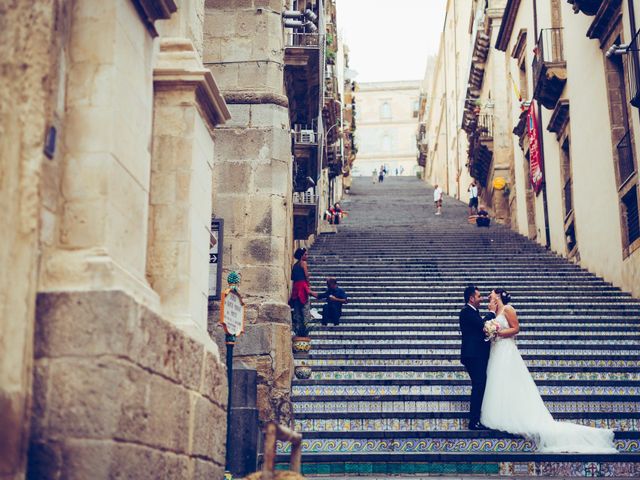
[{"x": 471, "y": 325}]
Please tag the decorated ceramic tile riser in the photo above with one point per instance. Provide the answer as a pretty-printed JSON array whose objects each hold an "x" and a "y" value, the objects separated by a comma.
[
  {"x": 429, "y": 445},
  {"x": 402, "y": 362},
  {"x": 462, "y": 375},
  {"x": 456, "y": 351},
  {"x": 504, "y": 469},
  {"x": 450, "y": 329},
  {"x": 369, "y": 390},
  {"x": 356, "y": 406},
  {"x": 433, "y": 424},
  {"x": 318, "y": 341}
]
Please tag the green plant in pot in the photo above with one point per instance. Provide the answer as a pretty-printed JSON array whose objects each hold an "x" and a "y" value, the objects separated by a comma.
[{"x": 301, "y": 341}]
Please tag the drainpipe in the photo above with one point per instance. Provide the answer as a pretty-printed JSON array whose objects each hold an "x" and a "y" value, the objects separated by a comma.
[
  {"x": 455, "y": 48},
  {"x": 446, "y": 103},
  {"x": 545, "y": 206}
]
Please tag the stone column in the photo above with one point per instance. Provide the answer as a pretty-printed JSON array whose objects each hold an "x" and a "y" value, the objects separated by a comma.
[
  {"x": 101, "y": 236},
  {"x": 253, "y": 187},
  {"x": 187, "y": 106}
]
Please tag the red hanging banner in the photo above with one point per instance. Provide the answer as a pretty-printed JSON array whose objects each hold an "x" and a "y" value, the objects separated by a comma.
[{"x": 535, "y": 154}]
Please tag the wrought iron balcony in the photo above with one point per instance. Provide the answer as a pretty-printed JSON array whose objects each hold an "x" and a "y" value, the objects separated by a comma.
[
  {"x": 549, "y": 67},
  {"x": 305, "y": 198},
  {"x": 305, "y": 135},
  {"x": 633, "y": 69},
  {"x": 485, "y": 127},
  {"x": 626, "y": 163}
]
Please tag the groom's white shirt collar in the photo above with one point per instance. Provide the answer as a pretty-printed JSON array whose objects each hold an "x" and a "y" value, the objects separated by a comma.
[{"x": 472, "y": 307}]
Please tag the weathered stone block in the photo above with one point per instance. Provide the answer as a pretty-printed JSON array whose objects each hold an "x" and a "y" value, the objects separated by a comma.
[
  {"x": 269, "y": 115},
  {"x": 232, "y": 177},
  {"x": 83, "y": 459},
  {"x": 240, "y": 116},
  {"x": 208, "y": 442},
  {"x": 275, "y": 312},
  {"x": 214, "y": 380},
  {"x": 203, "y": 470}
]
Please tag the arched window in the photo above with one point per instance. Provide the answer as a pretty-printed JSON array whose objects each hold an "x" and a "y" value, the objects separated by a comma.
[{"x": 385, "y": 110}]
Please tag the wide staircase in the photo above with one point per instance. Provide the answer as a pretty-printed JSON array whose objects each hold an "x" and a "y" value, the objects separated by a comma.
[{"x": 388, "y": 394}]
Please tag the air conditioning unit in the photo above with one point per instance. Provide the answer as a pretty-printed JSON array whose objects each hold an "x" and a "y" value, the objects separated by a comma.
[{"x": 307, "y": 136}]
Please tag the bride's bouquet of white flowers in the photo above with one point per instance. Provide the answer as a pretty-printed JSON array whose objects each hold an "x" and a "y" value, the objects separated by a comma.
[{"x": 491, "y": 329}]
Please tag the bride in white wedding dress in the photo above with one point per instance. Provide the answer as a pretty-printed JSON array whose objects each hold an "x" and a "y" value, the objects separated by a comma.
[{"x": 513, "y": 404}]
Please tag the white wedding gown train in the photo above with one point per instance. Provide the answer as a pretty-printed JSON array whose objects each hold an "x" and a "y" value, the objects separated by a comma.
[{"x": 513, "y": 404}]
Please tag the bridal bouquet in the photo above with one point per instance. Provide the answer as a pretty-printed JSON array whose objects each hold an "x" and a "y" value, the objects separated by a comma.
[{"x": 491, "y": 329}]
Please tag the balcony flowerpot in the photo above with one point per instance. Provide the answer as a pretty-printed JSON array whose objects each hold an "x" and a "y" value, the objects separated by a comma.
[
  {"x": 303, "y": 372},
  {"x": 301, "y": 344}
]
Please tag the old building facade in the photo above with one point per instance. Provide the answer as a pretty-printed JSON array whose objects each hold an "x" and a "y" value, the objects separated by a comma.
[
  {"x": 556, "y": 155},
  {"x": 387, "y": 116}
]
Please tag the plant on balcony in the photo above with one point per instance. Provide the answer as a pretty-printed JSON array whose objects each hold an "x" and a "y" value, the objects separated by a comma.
[
  {"x": 330, "y": 39},
  {"x": 331, "y": 57}
]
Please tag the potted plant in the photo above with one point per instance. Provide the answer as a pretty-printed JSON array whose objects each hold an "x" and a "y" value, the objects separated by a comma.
[
  {"x": 302, "y": 371},
  {"x": 301, "y": 342}
]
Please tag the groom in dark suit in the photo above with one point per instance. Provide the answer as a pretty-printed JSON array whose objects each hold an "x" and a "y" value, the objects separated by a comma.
[{"x": 475, "y": 351}]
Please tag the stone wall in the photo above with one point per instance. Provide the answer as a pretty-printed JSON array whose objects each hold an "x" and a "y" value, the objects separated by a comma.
[
  {"x": 123, "y": 386},
  {"x": 26, "y": 45},
  {"x": 119, "y": 392},
  {"x": 253, "y": 186}
]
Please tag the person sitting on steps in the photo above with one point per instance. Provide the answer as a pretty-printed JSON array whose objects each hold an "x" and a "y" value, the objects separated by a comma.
[
  {"x": 336, "y": 297},
  {"x": 482, "y": 219}
]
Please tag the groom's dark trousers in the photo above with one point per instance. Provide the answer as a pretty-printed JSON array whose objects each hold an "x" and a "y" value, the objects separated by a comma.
[{"x": 474, "y": 356}]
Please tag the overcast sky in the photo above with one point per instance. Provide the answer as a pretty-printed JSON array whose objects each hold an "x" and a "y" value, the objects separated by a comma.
[{"x": 390, "y": 39}]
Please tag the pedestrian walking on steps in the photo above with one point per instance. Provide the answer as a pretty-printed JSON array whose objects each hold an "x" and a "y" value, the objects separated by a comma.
[
  {"x": 473, "y": 198},
  {"x": 375, "y": 175},
  {"x": 300, "y": 289},
  {"x": 381, "y": 176},
  {"x": 437, "y": 199},
  {"x": 336, "y": 297}
]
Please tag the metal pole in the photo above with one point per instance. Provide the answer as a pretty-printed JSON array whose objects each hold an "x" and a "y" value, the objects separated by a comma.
[{"x": 230, "y": 341}]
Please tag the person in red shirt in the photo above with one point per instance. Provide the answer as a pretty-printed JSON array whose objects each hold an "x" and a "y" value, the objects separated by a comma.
[{"x": 301, "y": 288}]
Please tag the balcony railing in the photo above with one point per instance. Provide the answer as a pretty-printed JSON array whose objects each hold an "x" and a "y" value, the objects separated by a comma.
[
  {"x": 549, "y": 67},
  {"x": 626, "y": 164},
  {"x": 305, "y": 198},
  {"x": 303, "y": 40},
  {"x": 633, "y": 69},
  {"x": 485, "y": 126},
  {"x": 305, "y": 134}
]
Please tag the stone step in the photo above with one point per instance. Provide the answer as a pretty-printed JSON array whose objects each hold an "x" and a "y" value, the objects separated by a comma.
[{"x": 419, "y": 466}]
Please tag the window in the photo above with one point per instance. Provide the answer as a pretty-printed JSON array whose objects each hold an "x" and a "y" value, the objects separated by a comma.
[
  {"x": 630, "y": 215},
  {"x": 386, "y": 143},
  {"x": 623, "y": 155},
  {"x": 566, "y": 177},
  {"x": 385, "y": 110},
  {"x": 416, "y": 108}
]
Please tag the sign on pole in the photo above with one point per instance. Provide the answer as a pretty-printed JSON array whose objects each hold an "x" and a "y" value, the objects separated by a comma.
[
  {"x": 232, "y": 312},
  {"x": 215, "y": 258}
]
